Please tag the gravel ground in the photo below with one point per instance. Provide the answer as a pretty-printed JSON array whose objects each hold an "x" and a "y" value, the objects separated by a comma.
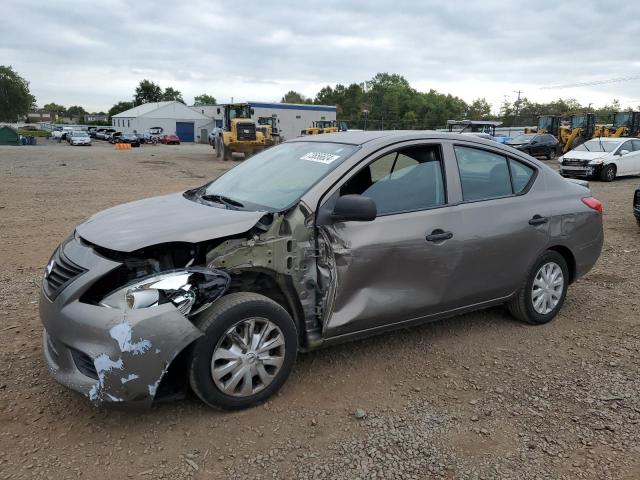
[{"x": 479, "y": 396}]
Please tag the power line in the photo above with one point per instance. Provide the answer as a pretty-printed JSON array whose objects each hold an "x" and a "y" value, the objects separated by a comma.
[{"x": 592, "y": 82}]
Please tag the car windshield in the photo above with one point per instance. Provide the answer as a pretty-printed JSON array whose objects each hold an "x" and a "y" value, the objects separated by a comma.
[
  {"x": 524, "y": 138},
  {"x": 79, "y": 134},
  {"x": 597, "y": 145},
  {"x": 277, "y": 177}
]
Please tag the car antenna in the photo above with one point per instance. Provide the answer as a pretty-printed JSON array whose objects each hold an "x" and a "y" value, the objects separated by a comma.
[{"x": 600, "y": 140}]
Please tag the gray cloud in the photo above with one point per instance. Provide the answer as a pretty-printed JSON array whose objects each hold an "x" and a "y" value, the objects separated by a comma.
[{"x": 94, "y": 54}]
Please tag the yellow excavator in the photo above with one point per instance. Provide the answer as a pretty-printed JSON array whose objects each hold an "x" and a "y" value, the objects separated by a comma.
[
  {"x": 581, "y": 128},
  {"x": 239, "y": 133},
  {"x": 269, "y": 128},
  {"x": 326, "y": 126}
]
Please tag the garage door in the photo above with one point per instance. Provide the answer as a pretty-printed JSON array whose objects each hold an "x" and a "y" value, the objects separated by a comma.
[{"x": 184, "y": 130}]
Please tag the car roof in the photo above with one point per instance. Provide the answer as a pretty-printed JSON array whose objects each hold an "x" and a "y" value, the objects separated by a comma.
[{"x": 389, "y": 136}]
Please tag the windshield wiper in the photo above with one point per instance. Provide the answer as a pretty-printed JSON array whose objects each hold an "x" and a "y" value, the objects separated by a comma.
[
  {"x": 226, "y": 201},
  {"x": 601, "y": 146}
]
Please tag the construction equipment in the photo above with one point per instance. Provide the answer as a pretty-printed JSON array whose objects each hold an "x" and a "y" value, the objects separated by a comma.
[
  {"x": 473, "y": 126},
  {"x": 269, "y": 128},
  {"x": 547, "y": 124},
  {"x": 581, "y": 128},
  {"x": 239, "y": 133},
  {"x": 625, "y": 124},
  {"x": 326, "y": 126}
]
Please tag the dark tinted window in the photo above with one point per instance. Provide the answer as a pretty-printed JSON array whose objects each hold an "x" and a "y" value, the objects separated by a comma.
[
  {"x": 483, "y": 174},
  {"x": 636, "y": 145},
  {"x": 407, "y": 180},
  {"x": 520, "y": 175}
]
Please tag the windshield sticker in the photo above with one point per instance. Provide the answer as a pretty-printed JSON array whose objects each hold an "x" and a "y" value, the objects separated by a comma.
[{"x": 320, "y": 157}]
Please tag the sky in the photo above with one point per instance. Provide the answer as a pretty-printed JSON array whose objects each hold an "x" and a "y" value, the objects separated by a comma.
[{"x": 94, "y": 54}]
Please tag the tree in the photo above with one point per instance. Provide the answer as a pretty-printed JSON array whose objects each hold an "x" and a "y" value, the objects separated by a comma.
[
  {"x": 55, "y": 110},
  {"x": 479, "y": 109},
  {"x": 170, "y": 94},
  {"x": 77, "y": 111},
  {"x": 146, "y": 92},
  {"x": 204, "y": 99},
  {"x": 294, "y": 97},
  {"x": 119, "y": 108},
  {"x": 15, "y": 98}
]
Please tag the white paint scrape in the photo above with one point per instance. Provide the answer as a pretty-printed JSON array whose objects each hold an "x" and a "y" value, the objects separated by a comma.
[{"x": 122, "y": 334}]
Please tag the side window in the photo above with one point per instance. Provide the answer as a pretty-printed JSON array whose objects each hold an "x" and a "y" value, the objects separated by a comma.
[
  {"x": 626, "y": 146},
  {"x": 483, "y": 174},
  {"x": 408, "y": 180},
  {"x": 636, "y": 145},
  {"x": 520, "y": 175}
]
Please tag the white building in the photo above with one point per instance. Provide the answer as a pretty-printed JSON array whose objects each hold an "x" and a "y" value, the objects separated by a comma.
[
  {"x": 174, "y": 118},
  {"x": 291, "y": 118}
]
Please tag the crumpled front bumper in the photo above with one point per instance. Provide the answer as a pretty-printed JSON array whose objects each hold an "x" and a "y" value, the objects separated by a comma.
[{"x": 112, "y": 356}]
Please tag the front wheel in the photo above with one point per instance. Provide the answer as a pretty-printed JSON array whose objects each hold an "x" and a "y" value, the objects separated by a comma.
[
  {"x": 540, "y": 298},
  {"x": 247, "y": 352},
  {"x": 608, "y": 173}
]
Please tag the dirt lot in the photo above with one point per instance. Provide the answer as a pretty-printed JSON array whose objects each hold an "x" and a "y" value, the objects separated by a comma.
[{"x": 476, "y": 397}]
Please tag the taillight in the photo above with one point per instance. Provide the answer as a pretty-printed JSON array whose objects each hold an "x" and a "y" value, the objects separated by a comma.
[{"x": 593, "y": 203}]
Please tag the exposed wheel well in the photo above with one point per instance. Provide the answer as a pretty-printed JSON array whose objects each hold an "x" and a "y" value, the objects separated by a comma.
[
  {"x": 274, "y": 288},
  {"x": 569, "y": 258}
]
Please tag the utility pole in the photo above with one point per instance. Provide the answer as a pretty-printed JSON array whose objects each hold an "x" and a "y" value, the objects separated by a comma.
[{"x": 515, "y": 121}]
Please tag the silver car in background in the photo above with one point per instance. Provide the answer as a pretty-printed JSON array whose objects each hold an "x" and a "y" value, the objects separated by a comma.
[
  {"x": 80, "y": 137},
  {"x": 319, "y": 240}
]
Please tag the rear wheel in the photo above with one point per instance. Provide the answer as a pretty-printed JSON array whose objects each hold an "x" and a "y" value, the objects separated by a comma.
[
  {"x": 540, "y": 298},
  {"x": 608, "y": 173},
  {"x": 248, "y": 350}
]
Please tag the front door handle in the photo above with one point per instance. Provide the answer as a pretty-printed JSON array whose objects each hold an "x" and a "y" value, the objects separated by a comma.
[
  {"x": 538, "y": 220},
  {"x": 439, "y": 235}
]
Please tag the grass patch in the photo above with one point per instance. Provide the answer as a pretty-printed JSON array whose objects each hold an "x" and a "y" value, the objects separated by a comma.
[{"x": 34, "y": 133}]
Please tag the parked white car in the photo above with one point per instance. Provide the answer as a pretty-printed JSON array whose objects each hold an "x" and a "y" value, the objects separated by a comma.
[{"x": 603, "y": 157}]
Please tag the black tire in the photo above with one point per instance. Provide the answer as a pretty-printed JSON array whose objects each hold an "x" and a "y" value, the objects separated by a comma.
[
  {"x": 521, "y": 305},
  {"x": 215, "y": 322},
  {"x": 552, "y": 153},
  {"x": 608, "y": 173}
]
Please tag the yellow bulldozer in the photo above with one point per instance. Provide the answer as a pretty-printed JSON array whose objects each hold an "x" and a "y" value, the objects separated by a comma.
[
  {"x": 326, "y": 126},
  {"x": 239, "y": 133},
  {"x": 269, "y": 128}
]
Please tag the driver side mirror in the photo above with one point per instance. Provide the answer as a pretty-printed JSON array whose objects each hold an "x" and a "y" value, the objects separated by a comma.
[
  {"x": 354, "y": 208},
  {"x": 533, "y": 142},
  {"x": 623, "y": 152}
]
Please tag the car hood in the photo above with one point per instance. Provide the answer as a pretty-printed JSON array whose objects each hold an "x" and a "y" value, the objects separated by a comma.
[
  {"x": 584, "y": 155},
  {"x": 169, "y": 218}
]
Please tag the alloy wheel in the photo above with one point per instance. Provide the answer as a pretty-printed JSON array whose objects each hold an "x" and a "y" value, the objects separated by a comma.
[
  {"x": 248, "y": 357},
  {"x": 547, "y": 288}
]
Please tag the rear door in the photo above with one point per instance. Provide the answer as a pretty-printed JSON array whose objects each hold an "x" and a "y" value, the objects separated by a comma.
[
  {"x": 635, "y": 166},
  {"x": 504, "y": 222}
]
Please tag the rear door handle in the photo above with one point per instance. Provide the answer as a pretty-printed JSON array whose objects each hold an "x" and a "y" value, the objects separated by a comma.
[
  {"x": 439, "y": 235},
  {"x": 538, "y": 220}
]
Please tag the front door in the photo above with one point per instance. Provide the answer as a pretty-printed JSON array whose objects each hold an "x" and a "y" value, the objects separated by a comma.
[{"x": 400, "y": 266}]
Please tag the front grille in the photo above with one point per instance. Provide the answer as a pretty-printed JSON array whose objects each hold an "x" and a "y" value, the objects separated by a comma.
[
  {"x": 571, "y": 161},
  {"x": 84, "y": 364},
  {"x": 59, "y": 273},
  {"x": 246, "y": 131}
]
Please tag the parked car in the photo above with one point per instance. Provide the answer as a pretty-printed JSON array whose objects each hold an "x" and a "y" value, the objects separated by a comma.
[
  {"x": 604, "y": 158},
  {"x": 80, "y": 137},
  {"x": 91, "y": 131},
  {"x": 536, "y": 144},
  {"x": 316, "y": 241},
  {"x": 73, "y": 132},
  {"x": 636, "y": 204},
  {"x": 130, "y": 138},
  {"x": 170, "y": 139},
  {"x": 113, "y": 137},
  {"x": 102, "y": 135}
]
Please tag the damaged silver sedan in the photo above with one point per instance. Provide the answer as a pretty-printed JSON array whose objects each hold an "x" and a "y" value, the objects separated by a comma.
[{"x": 316, "y": 241}]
